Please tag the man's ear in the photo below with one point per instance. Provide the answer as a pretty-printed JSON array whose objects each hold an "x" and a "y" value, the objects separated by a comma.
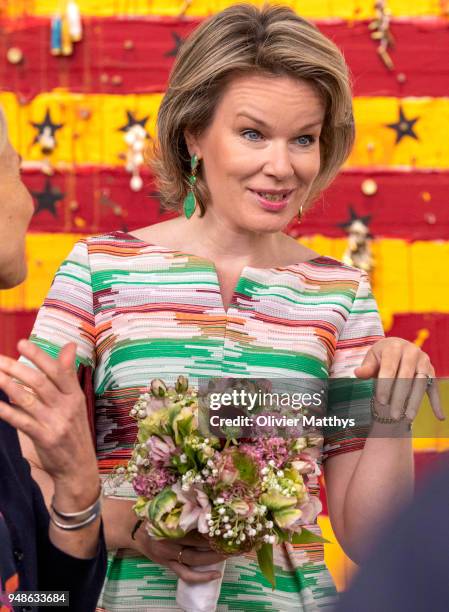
[{"x": 192, "y": 143}]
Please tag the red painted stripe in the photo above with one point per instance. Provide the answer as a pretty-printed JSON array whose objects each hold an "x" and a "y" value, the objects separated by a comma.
[
  {"x": 102, "y": 64},
  {"x": 104, "y": 200}
]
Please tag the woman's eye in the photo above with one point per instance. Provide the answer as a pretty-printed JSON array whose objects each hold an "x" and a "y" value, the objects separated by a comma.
[
  {"x": 309, "y": 139},
  {"x": 246, "y": 132}
]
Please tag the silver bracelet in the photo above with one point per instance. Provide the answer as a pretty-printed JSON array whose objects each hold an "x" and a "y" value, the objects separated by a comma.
[
  {"x": 94, "y": 508},
  {"x": 74, "y": 526}
]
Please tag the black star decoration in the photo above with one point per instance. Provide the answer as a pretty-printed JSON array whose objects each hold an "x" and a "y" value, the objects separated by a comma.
[
  {"x": 46, "y": 123},
  {"x": 177, "y": 41},
  {"x": 355, "y": 217},
  {"x": 46, "y": 199},
  {"x": 403, "y": 127},
  {"x": 132, "y": 121}
]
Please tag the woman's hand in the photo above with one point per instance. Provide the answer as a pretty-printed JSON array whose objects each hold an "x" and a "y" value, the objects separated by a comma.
[
  {"x": 54, "y": 416},
  {"x": 195, "y": 551},
  {"x": 401, "y": 368}
]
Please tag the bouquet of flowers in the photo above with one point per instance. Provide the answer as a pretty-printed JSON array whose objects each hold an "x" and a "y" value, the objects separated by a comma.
[{"x": 243, "y": 495}]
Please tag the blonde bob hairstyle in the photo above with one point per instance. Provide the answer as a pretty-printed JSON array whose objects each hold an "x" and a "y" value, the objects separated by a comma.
[{"x": 245, "y": 39}]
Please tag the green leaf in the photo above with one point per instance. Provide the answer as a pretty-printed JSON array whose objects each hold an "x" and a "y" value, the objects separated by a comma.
[
  {"x": 246, "y": 467},
  {"x": 307, "y": 537},
  {"x": 265, "y": 559}
]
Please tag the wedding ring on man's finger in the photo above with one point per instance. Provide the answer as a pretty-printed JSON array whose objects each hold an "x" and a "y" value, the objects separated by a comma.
[
  {"x": 179, "y": 557},
  {"x": 429, "y": 378}
]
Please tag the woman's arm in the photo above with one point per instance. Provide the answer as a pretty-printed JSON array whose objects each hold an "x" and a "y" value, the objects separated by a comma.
[
  {"x": 58, "y": 447},
  {"x": 51, "y": 411},
  {"x": 364, "y": 487}
]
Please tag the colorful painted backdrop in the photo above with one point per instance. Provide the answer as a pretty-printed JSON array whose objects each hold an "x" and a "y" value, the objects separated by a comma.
[{"x": 69, "y": 116}]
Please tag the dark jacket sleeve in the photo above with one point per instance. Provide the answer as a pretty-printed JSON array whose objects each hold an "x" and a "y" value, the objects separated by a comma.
[
  {"x": 408, "y": 571},
  {"x": 58, "y": 571}
]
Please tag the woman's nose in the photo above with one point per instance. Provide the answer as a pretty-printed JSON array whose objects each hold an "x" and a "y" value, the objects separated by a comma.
[{"x": 278, "y": 162}]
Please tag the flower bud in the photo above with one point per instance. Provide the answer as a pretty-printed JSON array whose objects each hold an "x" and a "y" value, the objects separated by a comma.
[
  {"x": 158, "y": 387},
  {"x": 182, "y": 384}
]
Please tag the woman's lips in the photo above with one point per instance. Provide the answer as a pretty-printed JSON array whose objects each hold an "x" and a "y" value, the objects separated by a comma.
[{"x": 269, "y": 204}]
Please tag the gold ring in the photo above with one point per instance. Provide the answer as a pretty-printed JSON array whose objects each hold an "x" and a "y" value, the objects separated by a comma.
[{"x": 179, "y": 558}]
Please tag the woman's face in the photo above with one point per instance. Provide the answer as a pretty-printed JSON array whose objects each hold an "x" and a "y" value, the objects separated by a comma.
[
  {"x": 261, "y": 153},
  {"x": 16, "y": 210}
]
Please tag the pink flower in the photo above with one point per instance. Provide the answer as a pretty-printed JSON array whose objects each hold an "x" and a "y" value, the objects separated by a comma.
[
  {"x": 195, "y": 508},
  {"x": 227, "y": 472},
  {"x": 310, "y": 510},
  {"x": 306, "y": 464},
  {"x": 161, "y": 450},
  {"x": 152, "y": 483}
]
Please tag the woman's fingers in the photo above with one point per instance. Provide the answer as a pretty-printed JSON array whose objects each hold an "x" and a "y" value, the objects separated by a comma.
[
  {"x": 416, "y": 396},
  {"x": 404, "y": 382},
  {"x": 193, "y": 557},
  {"x": 435, "y": 399},
  {"x": 35, "y": 380},
  {"x": 25, "y": 400},
  {"x": 61, "y": 371},
  {"x": 389, "y": 366},
  {"x": 193, "y": 538},
  {"x": 190, "y": 575}
]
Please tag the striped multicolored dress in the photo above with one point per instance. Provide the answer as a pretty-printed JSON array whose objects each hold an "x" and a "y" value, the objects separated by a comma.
[{"x": 139, "y": 311}]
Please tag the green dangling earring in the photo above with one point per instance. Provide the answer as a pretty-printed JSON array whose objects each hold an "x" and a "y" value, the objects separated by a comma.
[{"x": 190, "y": 199}]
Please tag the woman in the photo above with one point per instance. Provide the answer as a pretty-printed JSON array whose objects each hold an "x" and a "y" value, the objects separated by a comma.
[
  {"x": 36, "y": 553},
  {"x": 256, "y": 121}
]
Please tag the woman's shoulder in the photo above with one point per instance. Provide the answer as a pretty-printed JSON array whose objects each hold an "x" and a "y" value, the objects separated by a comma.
[{"x": 323, "y": 265}]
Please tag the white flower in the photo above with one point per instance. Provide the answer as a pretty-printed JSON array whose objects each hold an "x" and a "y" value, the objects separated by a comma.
[
  {"x": 221, "y": 510},
  {"x": 269, "y": 524}
]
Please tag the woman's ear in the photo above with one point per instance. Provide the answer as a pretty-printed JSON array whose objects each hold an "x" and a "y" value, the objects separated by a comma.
[{"x": 192, "y": 143}]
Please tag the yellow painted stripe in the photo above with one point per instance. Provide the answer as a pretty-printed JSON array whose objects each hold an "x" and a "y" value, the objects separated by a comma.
[
  {"x": 344, "y": 9},
  {"x": 401, "y": 280},
  {"x": 339, "y": 564},
  {"x": 44, "y": 253},
  {"x": 97, "y": 139}
]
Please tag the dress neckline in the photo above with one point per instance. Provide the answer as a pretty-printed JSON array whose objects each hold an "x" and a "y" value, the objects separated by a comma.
[{"x": 209, "y": 261}]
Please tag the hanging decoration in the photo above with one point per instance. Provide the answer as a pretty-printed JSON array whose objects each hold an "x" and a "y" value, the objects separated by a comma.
[
  {"x": 46, "y": 135},
  {"x": 66, "y": 29},
  {"x": 177, "y": 42},
  {"x": 358, "y": 251},
  {"x": 47, "y": 198},
  {"x": 403, "y": 126},
  {"x": 380, "y": 28},
  {"x": 135, "y": 136}
]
